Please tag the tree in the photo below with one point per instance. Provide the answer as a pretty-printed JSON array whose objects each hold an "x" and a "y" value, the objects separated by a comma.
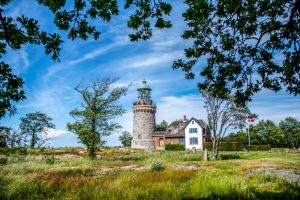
[
  {"x": 240, "y": 136},
  {"x": 125, "y": 138},
  {"x": 35, "y": 126},
  {"x": 291, "y": 128},
  {"x": 3, "y": 136},
  {"x": 162, "y": 126},
  {"x": 77, "y": 21},
  {"x": 241, "y": 41},
  {"x": 99, "y": 107},
  {"x": 223, "y": 114},
  {"x": 269, "y": 133},
  {"x": 11, "y": 90},
  {"x": 10, "y": 137}
]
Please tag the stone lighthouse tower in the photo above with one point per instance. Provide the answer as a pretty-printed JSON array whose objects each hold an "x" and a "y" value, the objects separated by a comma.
[{"x": 143, "y": 119}]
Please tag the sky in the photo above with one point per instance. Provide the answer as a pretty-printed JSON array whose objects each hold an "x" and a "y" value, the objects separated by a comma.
[{"x": 49, "y": 85}]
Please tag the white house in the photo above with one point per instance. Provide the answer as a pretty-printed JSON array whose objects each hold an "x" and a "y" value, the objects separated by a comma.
[{"x": 194, "y": 131}]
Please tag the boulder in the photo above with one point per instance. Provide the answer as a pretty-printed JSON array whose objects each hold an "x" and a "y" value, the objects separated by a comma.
[{"x": 82, "y": 152}]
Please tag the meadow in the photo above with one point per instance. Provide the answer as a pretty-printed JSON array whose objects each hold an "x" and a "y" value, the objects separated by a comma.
[{"x": 133, "y": 174}]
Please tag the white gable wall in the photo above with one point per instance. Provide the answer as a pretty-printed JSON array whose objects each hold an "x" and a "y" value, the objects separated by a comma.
[{"x": 198, "y": 135}]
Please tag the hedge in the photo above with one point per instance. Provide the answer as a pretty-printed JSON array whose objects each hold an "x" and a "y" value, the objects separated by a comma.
[
  {"x": 225, "y": 146},
  {"x": 236, "y": 146},
  {"x": 175, "y": 147},
  {"x": 265, "y": 147}
]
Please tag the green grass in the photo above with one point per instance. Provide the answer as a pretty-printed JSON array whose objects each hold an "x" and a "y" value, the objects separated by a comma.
[{"x": 31, "y": 177}]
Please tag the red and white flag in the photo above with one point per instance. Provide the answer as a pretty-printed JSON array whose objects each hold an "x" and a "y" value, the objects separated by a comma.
[{"x": 250, "y": 120}]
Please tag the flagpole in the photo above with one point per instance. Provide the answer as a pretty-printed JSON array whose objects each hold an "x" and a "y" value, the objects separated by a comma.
[{"x": 248, "y": 134}]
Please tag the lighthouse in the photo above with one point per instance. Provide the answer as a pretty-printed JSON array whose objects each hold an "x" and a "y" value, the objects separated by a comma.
[{"x": 143, "y": 119}]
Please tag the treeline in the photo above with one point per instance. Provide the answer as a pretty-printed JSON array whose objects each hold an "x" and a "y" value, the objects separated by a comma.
[{"x": 286, "y": 134}]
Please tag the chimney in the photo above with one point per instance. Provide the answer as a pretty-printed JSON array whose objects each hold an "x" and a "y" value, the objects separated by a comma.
[{"x": 184, "y": 118}]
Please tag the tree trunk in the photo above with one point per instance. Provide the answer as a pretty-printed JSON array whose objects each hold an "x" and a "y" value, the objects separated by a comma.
[
  {"x": 32, "y": 141},
  {"x": 92, "y": 153},
  {"x": 215, "y": 149}
]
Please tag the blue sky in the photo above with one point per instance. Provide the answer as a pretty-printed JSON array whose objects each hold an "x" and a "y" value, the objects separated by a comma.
[{"x": 49, "y": 84}]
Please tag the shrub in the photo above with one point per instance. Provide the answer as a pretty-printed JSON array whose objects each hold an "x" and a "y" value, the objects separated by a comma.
[
  {"x": 50, "y": 160},
  {"x": 229, "y": 156},
  {"x": 175, "y": 147},
  {"x": 157, "y": 166},
  {"x": 13, "y": 150},
  {"x": 17, "y": 158},
  {"x": 225, "y": 146},
  {"x": 3, "y": 160},
  {"x": 265, "y": 147}
]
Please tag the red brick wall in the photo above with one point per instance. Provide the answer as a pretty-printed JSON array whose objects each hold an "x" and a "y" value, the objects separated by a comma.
[
  {"x": 174, "y": 140},
  {"x": 156, "y": 141},
  {"x": 165, "y": 141}
]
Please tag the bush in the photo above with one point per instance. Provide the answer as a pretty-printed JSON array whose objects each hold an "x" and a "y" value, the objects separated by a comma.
[
  {"x": 265, "y": 147},
  {"x": 50, "y": 160},
  {"x": 229, "y": 156},
  {"x": 3, "y": 160},
  {"x": 225, "y": 146},
  {"x": 175, "y": 147},
  {"x": 16, "y": 158},
  {"x": 157, "y": 166},
  {"x": 13, "y": 150}
]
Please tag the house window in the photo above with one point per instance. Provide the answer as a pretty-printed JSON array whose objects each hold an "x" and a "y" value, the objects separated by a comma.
[
  {"x": 192, "y": 122},
  {"x": 171, "y": 141},
  {"x": 193, "y": 130},
  {"x": 193, "y": 140},
  {"x": 181, "y": 140}
]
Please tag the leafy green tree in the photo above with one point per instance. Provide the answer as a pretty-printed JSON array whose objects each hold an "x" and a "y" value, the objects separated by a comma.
[
  {"x": 241, "y": 41},
  {"x": 291, "y": 128},
  {"x": 78, "y": 21},
  {"x": 239, "y": 136},
  {"x": 268, "y": 133},
  {"x": 223, "y": 114},
  {"x": 35, "y": 126},
  {"x": 3, "y": 136},
  {"x": 162, "y": 126},
  {"x": 11, "y": 90},
  {"x": 10, "y": 137},
  {"x": 125, "y": 138},
  {"x": 95, "y": 117}
]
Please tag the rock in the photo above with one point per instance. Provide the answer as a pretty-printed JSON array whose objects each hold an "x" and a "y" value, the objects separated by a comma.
[
  {"x": 123, "y": 149},
  {"x": 184, "y": 166},
  {"x": 287, "y": 175},
  {"x": 82, "y": 152},
  {"x": 106, "y": 169},
  {"x": 132, "y": 167},
  {"x": 70, "y": 156},
  {"x": 98, "y": 157}
]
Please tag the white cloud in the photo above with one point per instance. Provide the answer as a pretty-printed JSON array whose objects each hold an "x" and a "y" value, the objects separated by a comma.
[
  {"x": 171, "y": 108},
  {"x": 51, "y": 133},
  {"x": 120, "y": 41},
  {"x": 150, "y": 59},
  {"x": 17, "y": 59}
]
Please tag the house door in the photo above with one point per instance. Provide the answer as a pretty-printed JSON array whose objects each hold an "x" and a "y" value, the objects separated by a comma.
[{"x": 161, "y": 142}]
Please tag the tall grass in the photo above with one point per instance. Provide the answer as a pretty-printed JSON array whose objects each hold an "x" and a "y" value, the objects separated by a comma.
[{"x": 80, "y": 178}]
